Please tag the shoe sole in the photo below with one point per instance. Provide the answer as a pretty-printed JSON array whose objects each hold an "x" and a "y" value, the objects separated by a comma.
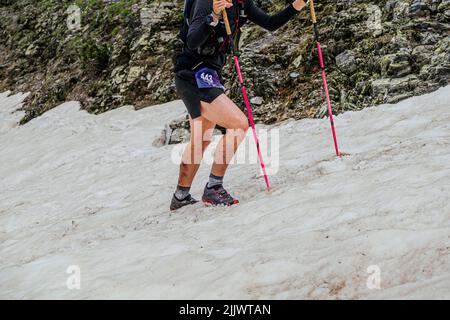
[
  {"x": 210, "y": 204},
  {"x": 189, "y": 204}
]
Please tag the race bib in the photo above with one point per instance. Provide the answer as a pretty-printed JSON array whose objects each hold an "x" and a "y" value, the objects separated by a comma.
[{"x": 208, "y": 78}]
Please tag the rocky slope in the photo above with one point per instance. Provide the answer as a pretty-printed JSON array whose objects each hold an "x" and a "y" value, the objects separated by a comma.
[{"x": 119, "y": 53}]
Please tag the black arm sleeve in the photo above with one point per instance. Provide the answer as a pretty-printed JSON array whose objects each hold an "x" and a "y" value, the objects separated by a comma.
[
  {"x": 271, "y": 23},
  {"x": 199, "y": 30}
]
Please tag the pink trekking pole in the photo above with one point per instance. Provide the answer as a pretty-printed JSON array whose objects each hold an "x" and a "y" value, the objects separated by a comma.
[
  {"x": 324, "y": 76},
  {"x": 247, "y": 103}
]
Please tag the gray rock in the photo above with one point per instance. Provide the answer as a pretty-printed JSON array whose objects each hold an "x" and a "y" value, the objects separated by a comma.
[
  {"x": 134, "y": 73},
  {"x": 346, "y": 62},
  {"x": 390, "y": 5},
  {"x": 400, "y": 69},
  {"x": 181, "y": 122},
  {"x": 383, "y": 87},
  {"x": 179, "y": 135},
  {"x": 419, "y": 8},
  {"x": 399, "y": 42},
  {"x": 444, "y": 6},
  {"x": 396, "y": 64},
  {"x": 257, "y": 101},
  {"x": 401, "y": 11},
  {"x": 118, "y": 75},
  {"x": 422, "y": 54},
  {"x": 429, "y": 37},
  {"x": 164, "y": 138}
]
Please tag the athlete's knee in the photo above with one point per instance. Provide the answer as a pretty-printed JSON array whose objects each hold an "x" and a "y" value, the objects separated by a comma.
[
  {"x": 239, "y": 129},
  {"x": 242, "y": 124}
]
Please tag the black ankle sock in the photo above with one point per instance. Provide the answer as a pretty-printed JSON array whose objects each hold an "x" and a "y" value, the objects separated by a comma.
[
  {"x": 214, "y": 181},
  {"x": 182, "y": 192}
]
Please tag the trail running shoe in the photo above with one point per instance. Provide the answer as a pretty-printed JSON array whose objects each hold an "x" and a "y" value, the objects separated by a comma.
[
  {"x": 177, "y": 204},
  {"x": 217, "y": 196}
]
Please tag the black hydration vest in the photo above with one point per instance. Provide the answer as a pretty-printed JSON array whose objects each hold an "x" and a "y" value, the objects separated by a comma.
[{"x": 218, "y": 40}]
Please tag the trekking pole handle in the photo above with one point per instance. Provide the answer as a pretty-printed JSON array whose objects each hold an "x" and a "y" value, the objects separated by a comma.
[
  {"x": 225, "y": 20},
  {"x": 313, "y": 11}
]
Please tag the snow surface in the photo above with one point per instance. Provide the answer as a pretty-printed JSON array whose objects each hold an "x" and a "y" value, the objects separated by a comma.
[{"x": 92, "y": 191}]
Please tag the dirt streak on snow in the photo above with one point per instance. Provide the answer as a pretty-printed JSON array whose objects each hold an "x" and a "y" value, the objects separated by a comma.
[{"x": 92, "y": 191}]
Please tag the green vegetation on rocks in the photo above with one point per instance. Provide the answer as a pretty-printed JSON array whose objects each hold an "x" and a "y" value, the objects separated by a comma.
[{"x": 375, "y": 52}]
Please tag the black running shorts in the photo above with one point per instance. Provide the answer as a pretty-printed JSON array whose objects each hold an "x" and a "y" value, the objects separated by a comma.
[{"x": 188, "y": 91}]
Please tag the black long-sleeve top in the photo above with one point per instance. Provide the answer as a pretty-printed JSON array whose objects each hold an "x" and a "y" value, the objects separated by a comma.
[{"x": 201, "y": 34}]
